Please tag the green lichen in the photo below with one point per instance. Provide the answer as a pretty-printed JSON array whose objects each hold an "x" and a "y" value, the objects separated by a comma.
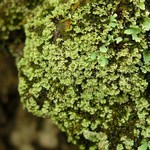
[
  {"x": 13, "y": 14},
  {"x": 86, "y": 66},
  {"x": 13, "y": 17}
]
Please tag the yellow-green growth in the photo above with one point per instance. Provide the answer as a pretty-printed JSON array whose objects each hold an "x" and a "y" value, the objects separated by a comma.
[
  {"x": 87, "y": 68},
  {"x": 13, "y": 14}
]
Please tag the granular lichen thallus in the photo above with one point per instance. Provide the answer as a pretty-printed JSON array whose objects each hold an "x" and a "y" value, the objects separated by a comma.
[
  {"x": 86, "y": 65},
  {"x": 13, "y": 15}
]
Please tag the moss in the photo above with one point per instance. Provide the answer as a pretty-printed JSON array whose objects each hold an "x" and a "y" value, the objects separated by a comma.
[
  {"x": 84, "y": 66},
  {"x": 13, "y": 17}
]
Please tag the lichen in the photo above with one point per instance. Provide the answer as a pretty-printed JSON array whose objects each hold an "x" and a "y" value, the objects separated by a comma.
[
  {"x": 86, "y": 66},
  {"x": 13, "y": 17}
]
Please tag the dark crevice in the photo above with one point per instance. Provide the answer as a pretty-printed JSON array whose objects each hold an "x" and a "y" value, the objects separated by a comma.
[{"x": 41, "y": 98}]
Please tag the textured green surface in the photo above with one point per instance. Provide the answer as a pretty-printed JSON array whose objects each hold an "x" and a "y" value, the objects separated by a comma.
[
  {"x": 13, "y": 15},
  {"x": 86, "y": 65}
]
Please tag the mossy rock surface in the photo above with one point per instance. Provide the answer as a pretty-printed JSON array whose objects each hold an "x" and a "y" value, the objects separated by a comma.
[
  {"x": 86, "y": 65},
  {"x": 13, "y": 14}
]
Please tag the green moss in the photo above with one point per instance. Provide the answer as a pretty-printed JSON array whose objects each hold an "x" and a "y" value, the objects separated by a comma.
[
  {"x": 13, "y": 14},
  {"x": 83, "y": 67}
]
